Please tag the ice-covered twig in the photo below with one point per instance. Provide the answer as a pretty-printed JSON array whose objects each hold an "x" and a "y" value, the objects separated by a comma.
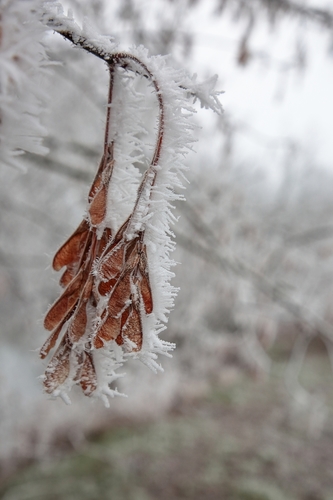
[
  {"x": 105, "y": 48},
  {"x": 54, "y": 17}
]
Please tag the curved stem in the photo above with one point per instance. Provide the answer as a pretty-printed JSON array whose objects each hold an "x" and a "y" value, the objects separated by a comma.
[
  {"x": 108, "y": 111},
  {"x": 125, "y": 60},
  {"x": 151, "y": 171},
  {"x": 123, "y": 56}
]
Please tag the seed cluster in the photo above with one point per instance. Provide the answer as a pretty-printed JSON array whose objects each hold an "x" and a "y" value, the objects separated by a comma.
[{"x": 106, "y": 290}]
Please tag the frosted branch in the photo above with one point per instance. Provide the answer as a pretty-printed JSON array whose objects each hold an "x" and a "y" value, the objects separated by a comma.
[{"x": 105, "y": 48}]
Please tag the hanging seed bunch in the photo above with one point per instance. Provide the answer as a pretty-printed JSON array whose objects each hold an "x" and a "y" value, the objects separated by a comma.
[{"x": 116, "y": 267}]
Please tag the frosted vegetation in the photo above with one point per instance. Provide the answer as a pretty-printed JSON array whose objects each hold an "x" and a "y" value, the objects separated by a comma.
[{"x": 256, "y": 256}]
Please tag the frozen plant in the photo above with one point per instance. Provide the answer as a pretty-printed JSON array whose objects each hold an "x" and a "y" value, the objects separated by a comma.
[{"x": 117, "y": 292}]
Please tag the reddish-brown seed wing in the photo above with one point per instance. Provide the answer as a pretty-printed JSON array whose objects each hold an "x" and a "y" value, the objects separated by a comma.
[
  {"x": 112, "y": 263},
  {"x": 65, "y": 303},
  {"x": 105, "y": 287},
  {"x": 88, "y": 377},
  {"x": 98, "y": 194},
  {"x": 96, "y": 186},
  {"x": 67, "y": 276},
  {"x": 112, "y": 243},
  {"x": 131, "y": 249},
  {"x": 125, "y": 315},
  {"x": 97, "y": 182},
  {"x": 105, "y": 239},
  {"x": 78, "y": 323},
  {"x": 132, "y": 329},
  {"x": 144, "y": 284},
  {"x": 121, "y": 294},
  {"x": 51, "y": 341},
  {"x": 109, "y": 330},
  {"x": 97, "y": 208},
  {"x": 120, "y": 233},
  {"x": 106, "y": 164},
  {"x": 98, "y": 343},
  {"x": 146, "y": 294},
  {"x": 58, "y": 368},
  {"x": 124, "y": 318},
  {"x": 70, "y": 251},
  {"x": 119, "y": 339}
]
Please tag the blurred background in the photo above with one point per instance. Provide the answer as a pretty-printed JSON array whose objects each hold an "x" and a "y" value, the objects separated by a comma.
[{"x": 244, "y": 408}]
